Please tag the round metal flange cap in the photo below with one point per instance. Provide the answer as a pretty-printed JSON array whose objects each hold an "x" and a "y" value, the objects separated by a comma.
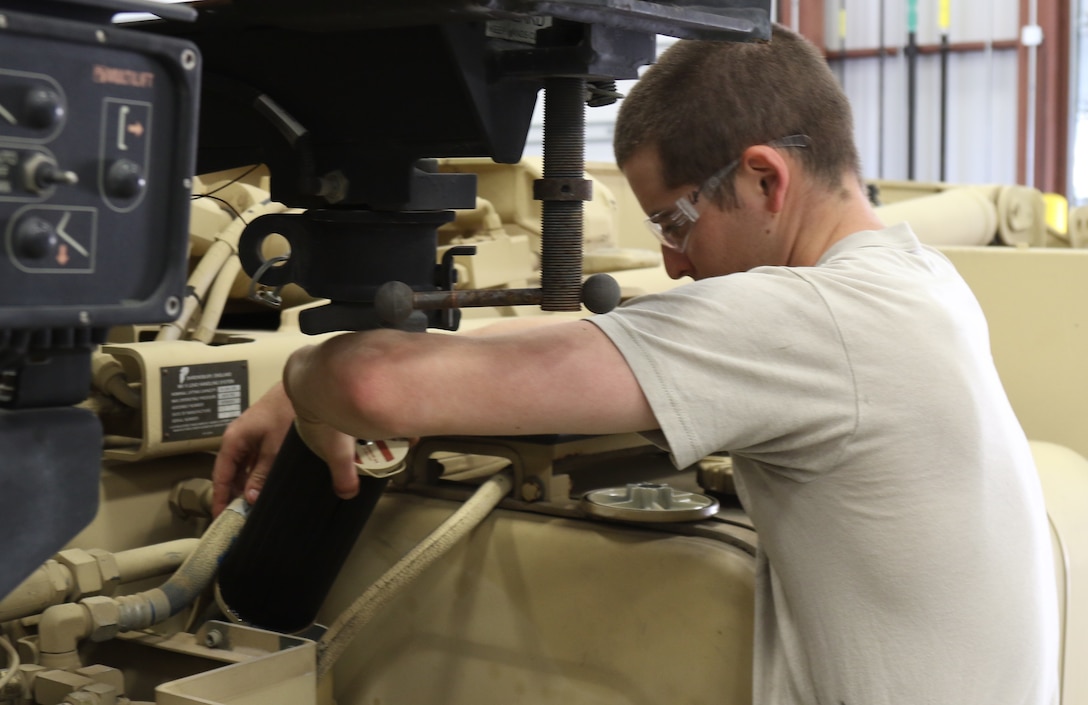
[
  {"x": 648, "y": 502},
  {"x": 381, "y": 458}
]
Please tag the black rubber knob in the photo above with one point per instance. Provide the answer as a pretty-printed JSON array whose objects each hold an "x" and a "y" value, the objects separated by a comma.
[
  {"x": 393, "y": 302},
  {"x": 125, "y": 179},
  {"x": 42, "y": 108},
  {"x": 35, "y": 238},
  {"x": 600, "y": 293}
]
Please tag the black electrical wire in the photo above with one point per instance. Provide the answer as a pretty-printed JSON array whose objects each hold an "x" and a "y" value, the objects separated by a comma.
[
  {"x": 224, "y": 201},
  {"x": 235, "y": 180}
]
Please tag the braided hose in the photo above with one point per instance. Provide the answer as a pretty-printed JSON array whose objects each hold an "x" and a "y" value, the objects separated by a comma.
[
  {"x": 352, "y": 620},
  {"x": 63, "y": 626},
  {"x": 144, "y": 609}
]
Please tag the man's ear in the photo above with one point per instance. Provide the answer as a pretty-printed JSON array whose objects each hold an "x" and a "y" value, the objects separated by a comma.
[{"x": 767, "y": 168}]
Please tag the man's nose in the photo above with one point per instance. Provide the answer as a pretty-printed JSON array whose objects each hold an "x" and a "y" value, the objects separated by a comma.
[{"x": 677, "y": 265}]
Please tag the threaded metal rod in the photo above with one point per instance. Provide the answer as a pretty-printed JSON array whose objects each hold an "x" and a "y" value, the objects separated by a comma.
[{"x": 561, "y": 224}]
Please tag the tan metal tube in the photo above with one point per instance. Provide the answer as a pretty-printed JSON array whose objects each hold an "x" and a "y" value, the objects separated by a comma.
[
  {"x": 150, "y": 607},
  {"x": 62, "y": 627},
  {"x": 206, "y": 271},
  {"x": 109, "y": 377},
  {"x": 154, "y": 561},
  {"x": 217, "y": 300},
  {"x": 48, "y": 585},
  {"x": 53, "y": 584}
]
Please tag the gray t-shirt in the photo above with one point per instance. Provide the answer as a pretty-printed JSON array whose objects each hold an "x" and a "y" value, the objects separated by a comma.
[{"x": 904, "y": 550}]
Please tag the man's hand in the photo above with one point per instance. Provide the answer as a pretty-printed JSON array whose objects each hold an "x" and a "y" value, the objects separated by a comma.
[
  {"x": 336, "y": 449},
  {"x": 250, "y": 444}
]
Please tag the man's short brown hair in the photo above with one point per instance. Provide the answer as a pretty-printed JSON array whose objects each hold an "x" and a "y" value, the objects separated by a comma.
[{"x": 705, "y": 102}]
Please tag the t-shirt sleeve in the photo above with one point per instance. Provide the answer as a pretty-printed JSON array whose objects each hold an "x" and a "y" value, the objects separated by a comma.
[{"x": 749, "y": 363}]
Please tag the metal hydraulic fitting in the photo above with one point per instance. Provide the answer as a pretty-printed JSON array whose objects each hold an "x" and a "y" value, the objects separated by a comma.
[
  {"x": 53, "y": 686},
  {"x": 60, "y": 630},
  {"x": 191, "y": 498},
  {"x": 105, "y": 675},
  {"x": 21, "y": 687},
  {"x": 86, "y": 577},
  {"x": 59, "y": 579},
  {"x": 94, "y": 694},
  {"x": 93, "y": 572},
  {"x": 105, "y": 617},
  {"x": 108, "y": 570}
]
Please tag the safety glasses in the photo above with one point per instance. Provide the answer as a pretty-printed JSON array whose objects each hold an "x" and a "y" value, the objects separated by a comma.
[{"x": 673, "y": 226}]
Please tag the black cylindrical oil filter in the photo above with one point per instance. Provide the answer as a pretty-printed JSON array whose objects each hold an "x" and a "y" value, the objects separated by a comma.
[{"x": 297, "y": 537}]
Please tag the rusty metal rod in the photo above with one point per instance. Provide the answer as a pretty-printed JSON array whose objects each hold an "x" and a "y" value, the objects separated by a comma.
[{"x": 395, "y": 301}]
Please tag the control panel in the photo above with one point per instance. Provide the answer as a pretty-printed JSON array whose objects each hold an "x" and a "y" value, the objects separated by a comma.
[
  {"x": 97, "y": 151},
  {"x": 97, "y": 137}
]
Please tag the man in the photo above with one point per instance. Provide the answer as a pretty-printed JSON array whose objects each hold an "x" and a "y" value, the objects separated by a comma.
[{"x": 904, "y": 553}]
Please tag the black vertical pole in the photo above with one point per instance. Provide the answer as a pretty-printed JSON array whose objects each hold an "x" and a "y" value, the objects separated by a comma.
[
  {"x": 880, "y": 95},
  {"x": 912, "y": 81},
  {"x": 944, "y": 21},
  {"x": 944, "y": 106}
]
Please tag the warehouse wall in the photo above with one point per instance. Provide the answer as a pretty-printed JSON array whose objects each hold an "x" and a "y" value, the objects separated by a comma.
[
  {"x": 982, "y": 89},
  {"x": 983, "y": 74}
]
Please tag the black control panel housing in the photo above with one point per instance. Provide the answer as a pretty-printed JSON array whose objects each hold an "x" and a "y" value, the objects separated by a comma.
[
  {"x": 97, "y": 151},
  {"x": 97, "y": 137}
]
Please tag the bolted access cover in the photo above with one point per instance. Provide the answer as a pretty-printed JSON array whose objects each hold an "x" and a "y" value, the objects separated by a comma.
[{"x": 648, "y": 502}]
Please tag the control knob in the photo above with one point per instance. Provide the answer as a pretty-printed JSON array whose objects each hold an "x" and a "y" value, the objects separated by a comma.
[
  {"x": 125, "y": 179},
  {"x": 42, "y": 108},
  {"x": 35, "y": 238}
]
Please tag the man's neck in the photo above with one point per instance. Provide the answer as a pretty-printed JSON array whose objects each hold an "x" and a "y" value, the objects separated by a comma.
[{"x": 820, "y": 217}]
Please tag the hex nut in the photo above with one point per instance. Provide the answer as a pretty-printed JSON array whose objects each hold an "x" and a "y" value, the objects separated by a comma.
[
  {"x": 105, "y": 617},
  {"x": 107, "y": 569},
  {"x": 28, "y": 672},
  {"x": 213, "y": 639},
  {"x": 96, "y": 694},
  {"x": 53, "y": 686},
  {"x": 104, "y": 675},
  {"x": 187, "y": 498},
  {"x": 532, "y": 490},
  {"x": 60, "y": 579},
  {"x": 86, "y": 577}
]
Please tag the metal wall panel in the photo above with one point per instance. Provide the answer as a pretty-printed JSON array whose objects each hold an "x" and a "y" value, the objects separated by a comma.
[{"x": 982, "y": 103}]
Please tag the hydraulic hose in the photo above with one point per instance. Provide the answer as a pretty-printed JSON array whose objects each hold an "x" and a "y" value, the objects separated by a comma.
[
  {"x": 13, "y": 663},
  {"x": 209, "y": 268},
  {"x": 150, "y": 607},
  {"x": 217, "y": 300},
  {"x": 62, "y": 627},
  {"x": 352, "y": 620},
  {"x": 54, "y": 584},
  {"x": 108, "y": 376}
]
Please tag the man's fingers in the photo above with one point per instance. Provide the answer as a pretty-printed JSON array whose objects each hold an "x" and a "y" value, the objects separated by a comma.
[
  {"x": 229, "y": 462},
  {"x": 345, "y": 479},
  {"x": 259, "y": 474},
  {"x": 255, "y": 483},
  {"x": 266, "y": 456},
  {"x": 220, "y": 498},
  {"x": 337, "y": 450}
]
